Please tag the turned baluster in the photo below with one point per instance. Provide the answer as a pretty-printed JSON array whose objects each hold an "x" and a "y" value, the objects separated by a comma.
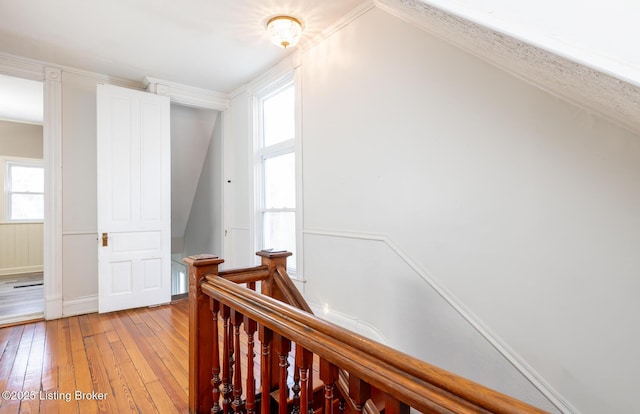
[
  {"x": 237, "y": 404},
  {"x": 250, "y": 328},
  {"x": 227, "y": 387},
  {"x": 266, "y": 339},
  {"x": 283, "y": 347},
  {"x": 395, "y": 406},
  {"x": 304, "y": 361},
  {"x": 295, "y": 389},
  {"x": 200, "y": 333},
  {"x": 359, "y": 392},
  {"x": 310, "y": 389},
  {"x": 342, "y": 405},
  {"x": 328, "y": 375},
  {"x": 215, "y": 359}
]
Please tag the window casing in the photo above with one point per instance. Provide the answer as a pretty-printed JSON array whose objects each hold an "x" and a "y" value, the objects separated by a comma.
[
  {"x": 23, "y": 190},
  {"x": 277, "y": 187}
]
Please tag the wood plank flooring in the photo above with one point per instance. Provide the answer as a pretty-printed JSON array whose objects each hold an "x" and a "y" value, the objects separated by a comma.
[{"x": 133, "y": 361}]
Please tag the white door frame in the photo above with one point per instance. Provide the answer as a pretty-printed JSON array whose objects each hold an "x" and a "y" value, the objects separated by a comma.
[
  {"x": 52, "y": 158},
  {"x": 52, "y": 155}
]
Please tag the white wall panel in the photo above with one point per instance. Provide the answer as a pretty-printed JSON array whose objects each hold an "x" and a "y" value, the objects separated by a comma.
[
  {"x": 80, "y": 266},
  {"x": 79, "y": 175},
  {"x": 21, "y": 248}
]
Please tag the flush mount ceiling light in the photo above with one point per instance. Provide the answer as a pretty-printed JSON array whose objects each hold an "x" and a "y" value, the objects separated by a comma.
[{"x": 285, "y": 31}]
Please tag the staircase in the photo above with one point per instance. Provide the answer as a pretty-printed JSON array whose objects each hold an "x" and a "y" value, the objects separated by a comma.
[{"x": 266, "y": 352}]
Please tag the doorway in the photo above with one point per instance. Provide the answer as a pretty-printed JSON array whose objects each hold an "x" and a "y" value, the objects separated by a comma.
[
  {"x": 196, "y": 188},
  {"x": 21, "y": 200}
]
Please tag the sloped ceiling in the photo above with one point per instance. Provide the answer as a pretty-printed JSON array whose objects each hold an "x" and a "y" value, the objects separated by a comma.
[
  {"x": 606, "y": 84},
  {"x": 600, "y": 34}
]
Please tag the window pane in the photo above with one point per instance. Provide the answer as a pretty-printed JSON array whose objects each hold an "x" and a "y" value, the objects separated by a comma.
[
  {"x": 280, "y": 181},
  {"x": 27, "y": 179},
  {"x": 279, "y": 117},
  {"x": 27, "y": 207},
  {"x": 280, "y": 233}
]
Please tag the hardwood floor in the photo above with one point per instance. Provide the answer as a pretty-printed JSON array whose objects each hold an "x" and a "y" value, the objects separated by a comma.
[{"x": 120, "y": 362}]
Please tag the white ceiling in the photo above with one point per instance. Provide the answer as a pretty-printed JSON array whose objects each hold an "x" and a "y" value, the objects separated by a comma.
[
  {"x": 213, "y": 44},
  {"x": 221, "y": 44}
]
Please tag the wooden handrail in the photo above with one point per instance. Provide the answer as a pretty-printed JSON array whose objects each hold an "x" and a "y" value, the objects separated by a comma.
[
  {"x": 345, "y": 349},
  {"x": 291, "y": 295},
  {"x": 355, "y": 367},
  {"x": 247, "y": 275},
  {"x": 484, "y": 397}
]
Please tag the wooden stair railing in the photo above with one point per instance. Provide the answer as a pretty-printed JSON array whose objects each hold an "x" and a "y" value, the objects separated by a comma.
[{"x": 357, "y": 374}]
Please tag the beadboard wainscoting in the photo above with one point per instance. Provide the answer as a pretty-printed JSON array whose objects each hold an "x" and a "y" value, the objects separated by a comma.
[{"x": 22, "y": 248}]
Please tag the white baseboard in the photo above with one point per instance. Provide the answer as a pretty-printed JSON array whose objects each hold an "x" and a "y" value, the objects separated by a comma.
[
  {"x": 349, "y": 322},
  {"x": 9, "y": 320},
  {"x": 53, "y": 308},
  {"x": 80, "y": 306}
]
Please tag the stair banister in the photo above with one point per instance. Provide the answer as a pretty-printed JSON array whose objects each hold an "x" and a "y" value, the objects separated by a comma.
[{"x": 350, "y": 364}]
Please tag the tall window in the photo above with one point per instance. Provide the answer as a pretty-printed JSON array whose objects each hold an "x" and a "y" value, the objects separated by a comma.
[
  {"x": 24, "y": 191},
  {"x": 276, "y": 190}
]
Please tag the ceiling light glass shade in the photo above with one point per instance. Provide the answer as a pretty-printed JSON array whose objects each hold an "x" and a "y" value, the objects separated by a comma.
[{"x": 285, "y": 31}]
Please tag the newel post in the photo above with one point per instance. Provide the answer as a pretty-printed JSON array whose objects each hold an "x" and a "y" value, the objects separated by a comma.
[
  {"x": 272, "y": 260},
  {"x": 200, "y": 333}
]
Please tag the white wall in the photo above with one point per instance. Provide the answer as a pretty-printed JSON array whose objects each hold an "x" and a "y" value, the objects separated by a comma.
[
  {"x": 424, "y": 164},
  {"x": 79, "y": 197},
  {"x": 20, "y": 140}
]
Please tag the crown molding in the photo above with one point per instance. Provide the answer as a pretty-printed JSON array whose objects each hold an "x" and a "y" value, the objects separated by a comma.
[
  {"x": 589, "y": 88},
  {"x": 284, "y": 68},
  {"x": 345, "y": 20},
  {"x": 33, "y": 69},
  {"x": 11, "y": 65},
  {"x": 188, "y": 95}
]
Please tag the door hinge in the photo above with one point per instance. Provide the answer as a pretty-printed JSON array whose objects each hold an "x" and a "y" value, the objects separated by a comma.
[{"x": 105, "y": 239}]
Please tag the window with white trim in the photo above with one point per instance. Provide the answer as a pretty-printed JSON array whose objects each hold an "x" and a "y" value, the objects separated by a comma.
[
  {"x": 276, "y": 183},
  {"x": 24, "y": 190}
]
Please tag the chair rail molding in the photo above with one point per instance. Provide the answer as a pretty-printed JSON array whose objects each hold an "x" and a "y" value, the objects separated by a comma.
[{"x": 518, "y": 362}]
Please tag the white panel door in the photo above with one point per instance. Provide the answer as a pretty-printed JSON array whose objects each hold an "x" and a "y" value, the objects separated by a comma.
[{"x": 134, "y": 199}]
